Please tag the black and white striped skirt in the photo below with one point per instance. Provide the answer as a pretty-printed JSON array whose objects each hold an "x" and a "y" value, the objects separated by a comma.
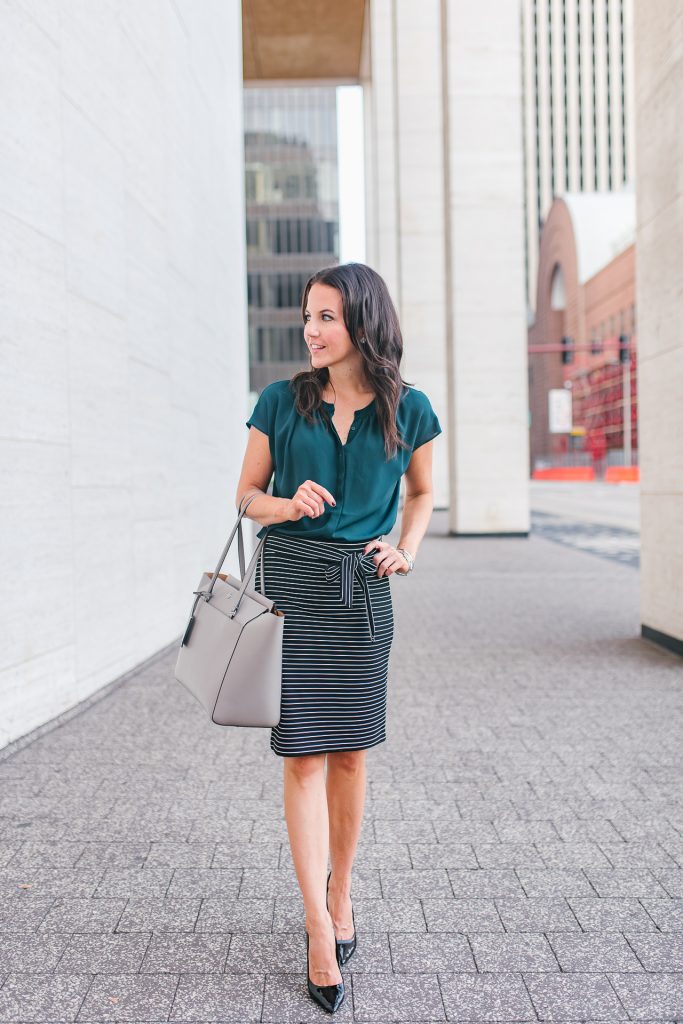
[{"x": 338, "y": 630}]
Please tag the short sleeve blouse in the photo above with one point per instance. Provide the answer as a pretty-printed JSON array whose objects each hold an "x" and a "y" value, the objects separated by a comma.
[{"x": 364, "y": 483}]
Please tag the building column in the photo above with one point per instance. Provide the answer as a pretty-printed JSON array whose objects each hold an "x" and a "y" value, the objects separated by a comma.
[
  {"x": 447, "y": 232},
  {"x": 659, "y": 242}
]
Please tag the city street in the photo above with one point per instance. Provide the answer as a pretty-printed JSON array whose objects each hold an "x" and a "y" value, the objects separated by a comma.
[{"x": 522, "y": 851}]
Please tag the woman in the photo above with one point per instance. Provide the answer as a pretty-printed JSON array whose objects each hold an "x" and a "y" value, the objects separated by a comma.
[{"x": 339, "y": 437}]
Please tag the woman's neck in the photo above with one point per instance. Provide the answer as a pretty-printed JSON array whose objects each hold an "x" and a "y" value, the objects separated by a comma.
[{"x": 348, "y": 385}]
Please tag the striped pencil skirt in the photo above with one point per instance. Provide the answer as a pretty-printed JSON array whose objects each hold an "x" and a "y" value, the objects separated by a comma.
[{"x": 338, "y": 630}]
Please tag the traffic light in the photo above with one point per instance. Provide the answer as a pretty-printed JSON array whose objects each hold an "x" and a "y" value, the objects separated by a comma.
[
  {"x": 624, "y": 348},
  {"x": 567, "y": 354}
]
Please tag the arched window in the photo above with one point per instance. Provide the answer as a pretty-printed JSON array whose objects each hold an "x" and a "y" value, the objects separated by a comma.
[{"x": 558, "y": 292}]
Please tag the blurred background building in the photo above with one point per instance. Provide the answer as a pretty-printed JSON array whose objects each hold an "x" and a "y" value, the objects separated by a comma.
[
  {"x": 583, "y": 339},
  {"x": 577, "y": 66},
  {"x": 292, "y": 217}
]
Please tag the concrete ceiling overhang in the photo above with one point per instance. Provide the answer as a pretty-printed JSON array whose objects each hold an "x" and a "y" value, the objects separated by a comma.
[{"x": 302, "y": 39}]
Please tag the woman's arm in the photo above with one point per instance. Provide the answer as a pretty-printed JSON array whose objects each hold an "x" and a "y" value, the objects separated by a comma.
[
  {"x": 419, "y": 499},
  {"x": 257, "y": 469}
]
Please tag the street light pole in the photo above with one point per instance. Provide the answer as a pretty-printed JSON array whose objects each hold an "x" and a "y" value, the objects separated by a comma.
[{"x": 625, "y": 355}]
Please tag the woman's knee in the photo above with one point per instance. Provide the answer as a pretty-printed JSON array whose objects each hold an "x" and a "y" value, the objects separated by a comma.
[
  {"x": 350, "y": 761},
  {"x": 305, "y": 767}
]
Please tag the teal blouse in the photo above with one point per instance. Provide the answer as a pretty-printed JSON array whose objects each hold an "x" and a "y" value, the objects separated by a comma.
[{"x": 364, "y": 484}]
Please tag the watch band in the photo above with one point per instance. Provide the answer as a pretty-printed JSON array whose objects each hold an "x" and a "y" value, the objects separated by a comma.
[{"x": 409, "y": 559}]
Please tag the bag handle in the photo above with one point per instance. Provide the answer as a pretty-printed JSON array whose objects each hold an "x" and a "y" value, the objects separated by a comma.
[{"x": 246, "y": 574}]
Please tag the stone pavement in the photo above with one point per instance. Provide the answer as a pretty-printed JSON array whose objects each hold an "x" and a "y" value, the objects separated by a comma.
[{"x": 521, "y": 856}]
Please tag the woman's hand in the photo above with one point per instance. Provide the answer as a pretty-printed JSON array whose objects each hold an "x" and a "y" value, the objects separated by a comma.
[
  {"x": 309, "y": 500},
  {"x": 388, "y": 559}
]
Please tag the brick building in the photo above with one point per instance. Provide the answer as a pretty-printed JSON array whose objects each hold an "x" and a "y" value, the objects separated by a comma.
[{"x": 583, "y": 338}]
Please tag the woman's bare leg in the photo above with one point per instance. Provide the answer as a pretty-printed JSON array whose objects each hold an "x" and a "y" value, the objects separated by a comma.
[
  {"x": 307, "y": 819},
  {"x": 345, "y": 783}
]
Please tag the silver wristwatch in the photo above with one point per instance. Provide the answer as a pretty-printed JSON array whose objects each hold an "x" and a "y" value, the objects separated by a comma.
[{"x": 409, "y": 559}]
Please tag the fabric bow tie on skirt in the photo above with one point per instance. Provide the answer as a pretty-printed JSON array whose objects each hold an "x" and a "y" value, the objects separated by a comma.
[{"x": 344, "y": 569}]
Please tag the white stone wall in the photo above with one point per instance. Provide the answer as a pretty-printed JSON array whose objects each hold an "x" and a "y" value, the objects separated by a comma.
[
  {"x": 123, "y": 353},
  {"x": 659, "y": 245}
]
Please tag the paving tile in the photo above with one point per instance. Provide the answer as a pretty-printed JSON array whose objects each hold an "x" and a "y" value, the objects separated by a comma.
[
  {"x": 671, "y": 880},
  {"x": 650, "y": 996},
  {"x": 128, "y": 882},
  {"x": 398, "y": 884},
  {"x": 525, "y": 831},
  {"x": 115, "y": 855},
  {"x": 507, "y": 855},
  {"x": 411, "y": 831},
  {"x": 656, "y": 952},
  {"x": 103, "y": 954},
  {"x": 443, "y": 855},
  {"x": 235, "y": 855},
  {"x": 486, "y": 883},
  {"x": 486, "y": 997},
  {"x": 625, "y": 882},
  {"x": 50, "y": 882},
  {"x": 473, "y": 832},
  {"x": 52, "y": 853},
  {"x": 461, "y": 915},
  {"x": 555, "y": 882},
  {"x": 536, "y": 914},
  {"x": 224, "y": 915},
  {"x": 382, "y": 855},
  {"x": 146, "y": 914},
  {"x": 7, "y": 852},
  {"x": 178, "y": 855},
  {"x": 372, "y": 954},
  {"x": 30, "y": 952},
  {"x": 218, "y": 998},
  {"x": 259, "y": 883},
  {"x": 83, "y": 915},
  {"x": 275, "y": 953},
  {"x": 133, "y": 997},
  {"x": 205, "y": 882},
  {"x": 564, "y": 997},
  {"x": 666, "y": 914},
  {"x": 594, "y": 951},
  {"x": 177, "y": 953},
  {"x": 428, "y": 953},
  {"x": 611, "y": 913},
  {"x": 404, "y": 915},
  {"x": 385, "y": 996},
  {"x": 634, "y": 855},
  {"x": 576, "y": 855},
  {"x": 23, "y": 914},
  {"x": 512, "y": 953},
  {"x": 42, "y": 997}
]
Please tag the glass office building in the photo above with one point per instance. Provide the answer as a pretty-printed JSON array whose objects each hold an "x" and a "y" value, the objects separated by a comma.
[{"x": 292, "y": 206}]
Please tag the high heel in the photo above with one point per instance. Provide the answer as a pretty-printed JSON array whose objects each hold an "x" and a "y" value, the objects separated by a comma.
[
  {"x": 330, "y": 997},
  {"x": 344, "y": 947}
]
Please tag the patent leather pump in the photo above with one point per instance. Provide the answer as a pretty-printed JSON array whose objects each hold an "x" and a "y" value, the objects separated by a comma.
[
  {"x": 345, "y": 947},
  {"x": 330, "y": 997}
]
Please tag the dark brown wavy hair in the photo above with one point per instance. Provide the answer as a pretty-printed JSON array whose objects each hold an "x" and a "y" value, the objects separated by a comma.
[{"x": 371, "y": 320}]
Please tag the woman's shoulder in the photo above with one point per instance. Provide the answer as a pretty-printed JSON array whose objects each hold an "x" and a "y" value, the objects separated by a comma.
[
  {"x": 414, "y": 400},
  {"x": 277, "y": 393}
]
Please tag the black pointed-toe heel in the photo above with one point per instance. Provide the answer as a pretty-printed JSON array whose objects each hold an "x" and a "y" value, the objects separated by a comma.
[
  {"x": 330, "y": 997},
  {"x": 345, "y": 947}
]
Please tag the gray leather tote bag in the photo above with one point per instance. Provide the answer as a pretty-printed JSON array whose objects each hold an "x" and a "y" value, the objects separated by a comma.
[{"x": 230, "y": 656}]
